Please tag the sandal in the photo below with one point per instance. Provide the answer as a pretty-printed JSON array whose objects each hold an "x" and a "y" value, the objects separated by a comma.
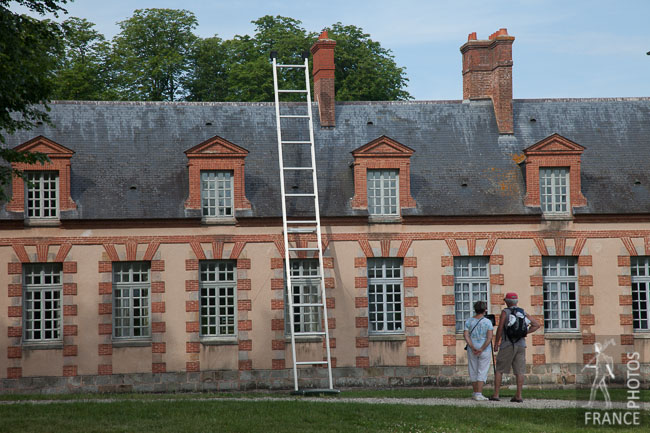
[
  {"x": 495, "y": 399},
  {"x": 516, "y": 400}
]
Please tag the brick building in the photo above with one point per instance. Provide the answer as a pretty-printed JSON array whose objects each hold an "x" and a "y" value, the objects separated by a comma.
[{"x": 148, "y": 254}]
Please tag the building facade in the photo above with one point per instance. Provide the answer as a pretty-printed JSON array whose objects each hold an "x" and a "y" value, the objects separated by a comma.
[{"x": 148, "y": 254}]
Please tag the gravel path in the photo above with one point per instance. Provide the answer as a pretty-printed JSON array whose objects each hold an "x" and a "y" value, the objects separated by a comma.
[{"x": 460, "y": 402}]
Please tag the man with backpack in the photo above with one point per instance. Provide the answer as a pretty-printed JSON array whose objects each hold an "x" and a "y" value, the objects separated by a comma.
[{"x": 514, "y": 325}]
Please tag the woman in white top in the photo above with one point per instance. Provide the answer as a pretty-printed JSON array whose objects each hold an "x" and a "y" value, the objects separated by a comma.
[{"x": 478, "y": 335}]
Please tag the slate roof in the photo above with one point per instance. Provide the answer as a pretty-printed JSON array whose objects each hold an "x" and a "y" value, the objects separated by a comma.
[{"x": 122, "y": 145}]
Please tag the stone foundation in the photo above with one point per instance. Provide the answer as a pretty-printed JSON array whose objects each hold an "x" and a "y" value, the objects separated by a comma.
[{"x": 344, "y": 377}]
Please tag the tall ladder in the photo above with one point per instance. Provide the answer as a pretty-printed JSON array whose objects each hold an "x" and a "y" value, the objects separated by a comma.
[{"x": 301, "y": 224}]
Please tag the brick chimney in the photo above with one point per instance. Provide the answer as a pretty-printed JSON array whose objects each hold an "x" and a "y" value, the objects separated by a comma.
[
  {"x": 487, "y": 73},
  {"x": 323, "y": 72}
]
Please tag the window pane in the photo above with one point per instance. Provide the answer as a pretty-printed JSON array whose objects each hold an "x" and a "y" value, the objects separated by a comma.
[
  {"x": 131, "y": 299},
  {"x": 217, "y": 193},
  {"x": 385, "y": 295},
  {"x": 383, "y": 187},
  {"x": 217, "y": 288}
]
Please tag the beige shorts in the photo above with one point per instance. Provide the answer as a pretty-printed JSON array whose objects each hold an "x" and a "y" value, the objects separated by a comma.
[{"x": 510, "y": 355}]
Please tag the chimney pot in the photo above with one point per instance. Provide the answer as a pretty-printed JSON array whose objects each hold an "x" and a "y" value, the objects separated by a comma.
[
  {"x": 471, "y": 37},
  {"x": 323, "y": 34}
]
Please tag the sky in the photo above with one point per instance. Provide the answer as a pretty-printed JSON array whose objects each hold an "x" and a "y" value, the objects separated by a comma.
[{"x": 562, "y": 49}]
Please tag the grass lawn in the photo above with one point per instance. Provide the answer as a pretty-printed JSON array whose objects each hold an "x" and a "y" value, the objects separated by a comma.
[
  {"x": 281, "y": 416},
  {"x": 187, "y": 413}
]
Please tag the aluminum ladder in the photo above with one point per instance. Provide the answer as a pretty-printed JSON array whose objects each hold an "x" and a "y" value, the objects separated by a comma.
[{"x": 301, "y": 224}]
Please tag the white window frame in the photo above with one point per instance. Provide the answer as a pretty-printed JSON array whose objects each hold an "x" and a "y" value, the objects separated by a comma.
[
  {"x": 42, "y": 303},
  {"x": 36, "y": 202},
  {"x": 385, "y": 296},
  {"x": 383, "y": 192},
  {"x": 305, "y": 283},
  {"x": 554, "y": 190},
  {"x": 560, "y": 290},
  {"x": 218, "y": 298},
  {"x": 640, "y": 275},
  {"x": 131, "y": 295},
  {"x": 217, "y": 194},
  {"x": 471, "y": 284}
]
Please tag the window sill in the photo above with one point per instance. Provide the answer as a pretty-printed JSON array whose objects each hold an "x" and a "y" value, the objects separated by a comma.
[
  {"x": 42, "y": 222},
  {"x": 642, "y": 335},
  {"x": 563, "y": 336},
  {"x": 222, "y": 221},
  {"x": 132, "y": 343},
  {"x": 557, "y": 216},
  {"x": 219, "y": 341},
  {"x": 309, "y": 339},
  {"x": 387, "y": 337},
  {"x": 384, "y": 219},
  {"x": 50, "y": 345}
]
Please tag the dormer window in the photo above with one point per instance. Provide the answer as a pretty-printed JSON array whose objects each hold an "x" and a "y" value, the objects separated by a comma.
[
  {"x": 216, "y": 180},
  {"x": 46, "y": 194},
  {"x": 383, "y": 192},
  {"x": 42, "y": 194},
  {"x": 217, "y": 194},
  {"x": 554, "y": 190},
  {"x": 553, "y": 176},
  {"x": 382, "y": 179}
]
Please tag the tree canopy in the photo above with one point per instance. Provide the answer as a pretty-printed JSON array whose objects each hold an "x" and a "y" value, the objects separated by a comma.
[{"x": 157, "y": 57}]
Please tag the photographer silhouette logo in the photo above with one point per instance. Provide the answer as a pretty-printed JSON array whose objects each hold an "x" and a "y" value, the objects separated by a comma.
[{"x": 603, "y": 366}]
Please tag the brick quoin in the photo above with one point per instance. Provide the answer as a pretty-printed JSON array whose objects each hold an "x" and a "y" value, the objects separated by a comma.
[
  {"x": 411, "y": 301},
  {"x": 105, "y": 289},
  {"x": 277, "y": 283},
  {"x": 69, "y": 370},
  {"x": 278, "y": 344},
  {"x": 587, "y": 319},
  {"x": 412, "y": 341},
  {"x": 277, "y": 364},
  {"x": 70, "y": 289},
  {"x": 536, "y": 280},
  {"x": 410, "y": 262},
  {"x": 361, "y": 302},
  {"x": 448, "y": 320},
  {"x": 412, "y": 321},
  {"x": 15, "y": 311},
  {"x": 157, "y": 265},
  {"x": 157, "y": 307},
  {"x": 539, "y": 359},
  {"x": 191, "y": 285},
  {"x": 14, "y": 352},
  {"x": 536, "y": 300},
  {"x": 330, "y": 283},
  {"x": 626, "y": 319},
  {"x": 158, "y": 348},
  {"x": 585, "y": 261},
  {"x": 585, "y": 281},
  {"x": 360, "y": 262},
  {"x": 245, "y": 365},
  {"x": 70, "y": 350},
  {"x": 361, "y": 322},
  {"x": 15, "y": 331},
  {"x": 447, "y": 280},
  {"x": 14, "y": 268},
  {"x": 245, "y": 325},
  {"x": 535, "y": 261},
  {"x": 105, "y": 266},
  {"x": 448, "y": 300},
  {"x": 243, "y": 263},
  {"x": 496, "y": 259},
  {"x": 328, "y": 262},
  {"x": 105, "y": 349},
  {"x": 362, "y": 342},
  {"x": 192, "y": 347},
  {"x": 105, "y": 329},
  {"x": 191, "y": 265},
  {"x": 624, "y": 299},
  {"x": 14, "y": 372},
  {"x": 362, "y": 362},
  {"x": 244, "y": 305},
  {"x": 105, "y": 369},
  {"x": 588, "y": 339},
  {"x": 191, "y": 306},
  {"x": 158, "y": 327},
  {"x": 277, "y": 263},
  {"x": 14, "y": 290},
  {"x": 331, "y": 303},
  {"x": 587, "y": 300},
  {"x": 360, "y": 282},
  {"x": 449, "y": 340},
  {"x": 627, "y": 339},
  {"x": 69, "y": 267},
  {"x": 495, "y": 299},
  {"x": 624, "y": 261},
  {"x": 277, "y": 304},
  {"x": 410, "y": 282},
  {"x": 246, "y": 345},
  {"x": 624, "y": 280},
  {"x": 244, "y": 284},
  {"x": 497, "y": 279},
  {"x": 157, "y": 287},
  {"x": 449, "y": 359},
  {"x": 538, "y": 340},
  {"x": 158, "y": 367},
  {"x": 192, "y": 366},
  {"x": 191, "y": 327},
  {"x": 70, "y": 330},
  {"x": 105, "y": 308},
  {"x": 412, "y": 361},
  {"x": 446, "y": 261}
]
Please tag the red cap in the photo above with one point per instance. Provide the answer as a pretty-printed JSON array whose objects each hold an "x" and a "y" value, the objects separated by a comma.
[{"x": 511, "y": 295}]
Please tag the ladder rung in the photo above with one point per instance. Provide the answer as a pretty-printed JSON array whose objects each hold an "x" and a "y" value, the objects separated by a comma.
[
  {"x": 291, "y": 91},
  {"x": 303, "y": 249},
  {"x": 311, "y": 362},
  {"x": 300, "y": 195},
  {"x": 301, "y": 230},
  {"x": 298, "y": 168},
  {"x": 295, "y": 116},
  {"x": 289, "y": 66},
  {"x": 309, "y": 305},
  {"x": 296, "y": 142},
  {"x": 302, "y": 222}
]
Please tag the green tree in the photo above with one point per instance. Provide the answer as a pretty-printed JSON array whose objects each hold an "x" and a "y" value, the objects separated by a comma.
[
  {"x": 208, "y": 74},
  {"x": 83, "y": 72},
  {"x": 152, "y": 52},
  {"x": 29, "y": 49}
]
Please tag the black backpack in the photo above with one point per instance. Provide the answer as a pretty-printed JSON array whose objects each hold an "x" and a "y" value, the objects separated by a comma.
[{"x": 518, "y": 329}]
